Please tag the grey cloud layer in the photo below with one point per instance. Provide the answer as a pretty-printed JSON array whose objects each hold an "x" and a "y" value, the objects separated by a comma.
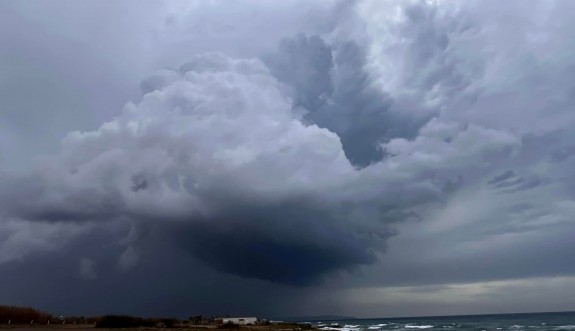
[{"x": 298, "y": 166}]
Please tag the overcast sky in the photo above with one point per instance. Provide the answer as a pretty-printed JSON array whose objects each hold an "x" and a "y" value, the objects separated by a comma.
[{"x": 283, "y": 158}]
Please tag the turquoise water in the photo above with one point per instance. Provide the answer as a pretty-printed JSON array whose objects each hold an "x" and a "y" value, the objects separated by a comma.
[{"x": 564, "y": 321}]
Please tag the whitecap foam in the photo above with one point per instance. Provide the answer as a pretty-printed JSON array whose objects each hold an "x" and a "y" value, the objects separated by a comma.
[
  {"x": 565, "y": 327},
  {"x": 337, "y": 328},
  {"x": 376, "y": 326},
  {"x": 418, "y": 326}
]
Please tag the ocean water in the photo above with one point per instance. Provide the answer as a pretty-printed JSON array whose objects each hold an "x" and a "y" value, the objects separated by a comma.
[{"x": 563, "y": 321}]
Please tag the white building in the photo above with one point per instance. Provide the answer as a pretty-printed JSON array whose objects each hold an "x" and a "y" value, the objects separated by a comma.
[{"x": 241, "y": 320}]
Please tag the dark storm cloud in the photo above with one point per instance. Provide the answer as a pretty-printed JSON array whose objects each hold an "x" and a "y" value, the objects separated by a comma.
[
  {"x": 276, "y": 201},
  {"x": 295, "y": 243},
  {"x": 448, "y": 122}
]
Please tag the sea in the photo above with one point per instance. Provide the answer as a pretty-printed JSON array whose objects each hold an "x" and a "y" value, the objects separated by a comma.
[{"x": 563, "y": 321}]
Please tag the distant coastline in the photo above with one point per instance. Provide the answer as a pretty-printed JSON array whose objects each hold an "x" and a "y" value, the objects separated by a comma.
[{"x": 316, "y": 318}]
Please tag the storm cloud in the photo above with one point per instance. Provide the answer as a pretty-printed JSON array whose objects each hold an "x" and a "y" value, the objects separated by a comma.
[
  {"x": 219, "y": 149},
  {"x": 350, "y": 146}
]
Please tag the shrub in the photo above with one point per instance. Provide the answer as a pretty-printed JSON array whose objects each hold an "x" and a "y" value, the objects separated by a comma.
[
  {"x": 230, "y": 325},
  {"x": 123, "y": 321},
  {"x": 169, "y": 322},
  {"x": 21, "y": 315}
]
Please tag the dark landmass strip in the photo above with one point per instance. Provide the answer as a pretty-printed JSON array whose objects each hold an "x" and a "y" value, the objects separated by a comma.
[{"x": 25, "y": 318}]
